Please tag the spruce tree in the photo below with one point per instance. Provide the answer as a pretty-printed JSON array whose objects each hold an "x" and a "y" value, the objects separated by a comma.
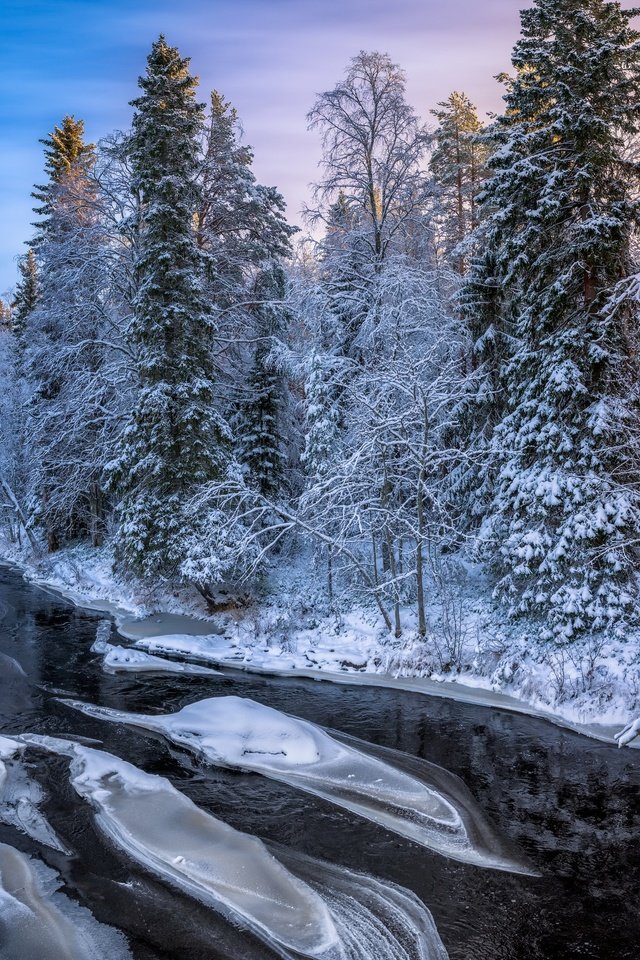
[
  {"x": 175, "y": 441},
  {"x": 345, "y": 277},
  {"x": 262, "y": 433},
  {"x": 564, "y": 514},
  {"x": 240, "y": 223},
  {"x": 457, "y": 164},
  {"x": 25, "y": 295},
  {"x": 67, "y": 158},
  {"x": 60, "y": 310}
]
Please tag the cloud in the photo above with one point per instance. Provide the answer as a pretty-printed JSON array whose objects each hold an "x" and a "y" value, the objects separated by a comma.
[{"x": 269, "y": 57}]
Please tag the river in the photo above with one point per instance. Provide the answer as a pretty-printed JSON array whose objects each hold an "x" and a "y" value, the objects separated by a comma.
[{"x": 570, "y": 804}]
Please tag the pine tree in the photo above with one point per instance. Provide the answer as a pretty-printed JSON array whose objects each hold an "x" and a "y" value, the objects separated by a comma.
[
  {"x": 564, "y": 512},
  {"x": 457, "y": 164},
  {"x": 262, "y": 433},
  {"x": 175, "y": 441}
]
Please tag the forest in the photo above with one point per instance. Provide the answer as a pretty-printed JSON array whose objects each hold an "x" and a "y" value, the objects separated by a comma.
[{"x": 422, "y": 405}]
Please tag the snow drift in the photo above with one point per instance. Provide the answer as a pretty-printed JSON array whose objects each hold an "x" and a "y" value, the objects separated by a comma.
[{"x": 125, "y": 659}]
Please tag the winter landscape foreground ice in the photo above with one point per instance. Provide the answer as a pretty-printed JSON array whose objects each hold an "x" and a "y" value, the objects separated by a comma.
[
  {"x": 430, "y": 807},
  {"x": 39, "y": 923},
  {"x": 339, "y": 915}
]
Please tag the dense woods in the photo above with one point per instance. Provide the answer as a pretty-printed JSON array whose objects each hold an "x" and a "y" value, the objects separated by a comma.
[{"x": 441, "y": 367}]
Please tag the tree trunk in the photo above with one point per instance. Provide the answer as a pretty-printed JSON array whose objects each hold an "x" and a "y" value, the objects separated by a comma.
[
  {"x": 96, "y": 515},
  {"x": 375, "y": 559},
  {"x": 422, "y": 618},
  {"x": 19, "y": 514}
]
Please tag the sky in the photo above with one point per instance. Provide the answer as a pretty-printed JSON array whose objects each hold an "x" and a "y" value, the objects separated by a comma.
[{"x": 268, "y": 57}]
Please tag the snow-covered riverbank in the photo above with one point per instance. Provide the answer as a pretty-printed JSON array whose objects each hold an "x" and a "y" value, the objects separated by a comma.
[{"x": 591, "y": 690}]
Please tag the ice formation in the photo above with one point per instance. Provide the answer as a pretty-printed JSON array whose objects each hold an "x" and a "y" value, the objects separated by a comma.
[
  {"x": 19, "y": 799},
  {"x": 167, "y": 833},
  {"x": 374, "y": 919},
  {"x": 243, "y": 734},
  {"x": 629, "y": 733},
  {"x": 39, "y": 923},
  {"x": 127, "y": 659}
]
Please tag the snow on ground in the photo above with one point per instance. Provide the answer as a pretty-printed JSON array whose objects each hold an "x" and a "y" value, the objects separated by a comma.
[
  {"x": 242, "y": 734},
  {"x": 167, "y": 833},
  {"x": 591, "y": 686},
  {"x": 9, "y": 748},
  {"x": 39, "y": 923}
]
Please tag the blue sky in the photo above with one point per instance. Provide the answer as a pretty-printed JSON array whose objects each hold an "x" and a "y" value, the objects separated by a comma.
[{"x": 269, "y": 57}]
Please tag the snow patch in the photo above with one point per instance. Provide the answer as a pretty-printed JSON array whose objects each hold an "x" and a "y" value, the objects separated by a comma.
[{"x": 128, "y": 660}]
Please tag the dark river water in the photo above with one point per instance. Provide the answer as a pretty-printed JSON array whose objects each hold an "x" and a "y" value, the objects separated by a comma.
[{"x": 572, "y": 805}]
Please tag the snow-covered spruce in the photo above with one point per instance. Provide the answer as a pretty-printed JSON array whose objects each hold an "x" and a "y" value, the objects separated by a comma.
[
  {"x": 564, "y": 519},
  {"x": 175, "y": 439}
]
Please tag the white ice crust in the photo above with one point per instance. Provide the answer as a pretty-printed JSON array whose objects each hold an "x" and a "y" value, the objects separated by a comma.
[
  {"x": 19, "y": 800},
  {"x": 127, "y": 659},
  {"x": 629, "y": 733},
  {"x": 242, "y": 734},
  {"x": 39, "y": 923},
  {"x": 230, "y": 871},
  {"x": 9, "y": 747}
]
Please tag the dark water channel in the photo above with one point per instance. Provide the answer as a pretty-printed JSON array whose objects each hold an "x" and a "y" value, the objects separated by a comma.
[{"x": 571, "y": 804}]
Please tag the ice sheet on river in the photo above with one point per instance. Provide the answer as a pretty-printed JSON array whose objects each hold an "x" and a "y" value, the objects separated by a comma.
[
  {"x": 426, "y": 805},
  {"x": 374, "y": 919},
  {"x": 127, "y": 659},
  {"x": 304, "y": 908},
  {"x": 20, "y": 797},
  {"x": 39, "y": 923},
  {"x": 163, "y": 830}
]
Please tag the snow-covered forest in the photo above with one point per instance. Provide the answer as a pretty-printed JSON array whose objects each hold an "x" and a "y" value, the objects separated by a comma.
[{"x": 419, "y": 412}]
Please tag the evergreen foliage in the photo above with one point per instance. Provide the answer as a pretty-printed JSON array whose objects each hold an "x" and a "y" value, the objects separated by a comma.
[
  {"x": 457, "y": 163},
  {"x": 67, "y": 157},
  {"x": 262, "y": 427},
  {"x": 25, "y": 296},
  {"x": 175, "y": 440},
  {"x": 564, "y": 513}
]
